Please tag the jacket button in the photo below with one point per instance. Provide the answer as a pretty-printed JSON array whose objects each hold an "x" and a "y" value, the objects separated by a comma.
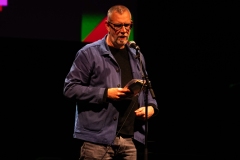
[
  {"x": 118, "y": 85},
  {"x": 114, "y": 118},
  {"x": 117, "y": 69}
]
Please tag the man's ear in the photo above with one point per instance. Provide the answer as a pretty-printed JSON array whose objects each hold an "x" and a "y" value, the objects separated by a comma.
[{"x": 107, "y": 26}]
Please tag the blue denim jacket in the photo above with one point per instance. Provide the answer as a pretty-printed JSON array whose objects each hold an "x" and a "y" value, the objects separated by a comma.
[{"x": 93, "y": 70}]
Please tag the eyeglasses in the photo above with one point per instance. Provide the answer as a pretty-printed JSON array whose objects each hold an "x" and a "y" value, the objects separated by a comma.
[{"x": 117, "y": 27}]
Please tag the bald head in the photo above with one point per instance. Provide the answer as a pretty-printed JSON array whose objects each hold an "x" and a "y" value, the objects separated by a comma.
[{"x": 120, "y": 9}]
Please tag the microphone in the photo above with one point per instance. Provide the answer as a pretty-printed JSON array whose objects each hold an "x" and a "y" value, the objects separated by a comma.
[{"x": 132, "y": 44}]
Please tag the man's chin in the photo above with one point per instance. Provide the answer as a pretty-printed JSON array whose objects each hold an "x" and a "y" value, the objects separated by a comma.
[{"x": 122, "y": 42}]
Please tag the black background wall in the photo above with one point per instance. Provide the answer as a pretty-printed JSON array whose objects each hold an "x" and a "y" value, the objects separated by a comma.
[{"x": 192, "y": 54}]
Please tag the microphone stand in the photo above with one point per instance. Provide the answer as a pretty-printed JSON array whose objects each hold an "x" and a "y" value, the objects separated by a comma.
[{"x": 148, "y": 87}]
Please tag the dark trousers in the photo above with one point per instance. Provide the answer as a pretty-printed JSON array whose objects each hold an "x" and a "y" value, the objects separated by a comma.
[{"x": 121, "y": 149}]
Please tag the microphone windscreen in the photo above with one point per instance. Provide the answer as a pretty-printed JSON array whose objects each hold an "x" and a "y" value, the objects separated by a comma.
[{"x": 132, "y": 44}]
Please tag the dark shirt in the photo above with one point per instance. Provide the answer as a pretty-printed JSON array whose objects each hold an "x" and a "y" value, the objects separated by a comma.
[{"x": 125, "y": 107}]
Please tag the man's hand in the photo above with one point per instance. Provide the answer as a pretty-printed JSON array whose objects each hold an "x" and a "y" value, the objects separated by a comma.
[
  {"x": 118, "y": 93},
  {"x": 140, "y": 112}
]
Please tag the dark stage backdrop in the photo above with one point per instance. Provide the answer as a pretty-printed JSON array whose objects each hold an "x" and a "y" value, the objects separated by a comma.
[
  {"x": 54, "y": 20},
  {"x": 192, "y": 55}
]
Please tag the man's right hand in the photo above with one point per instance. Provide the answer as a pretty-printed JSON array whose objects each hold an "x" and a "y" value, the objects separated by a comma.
[{"x": 118, "y": 93}]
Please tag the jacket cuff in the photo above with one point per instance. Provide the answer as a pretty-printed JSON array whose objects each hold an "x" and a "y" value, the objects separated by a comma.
[
  {"x": 105, "y": 95},
  {"x": 156, "y": 110}
]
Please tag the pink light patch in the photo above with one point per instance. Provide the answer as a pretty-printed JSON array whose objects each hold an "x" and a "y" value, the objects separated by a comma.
[
  {"x": 3, "y": 3},
  {"x": 0, "y": 8}
]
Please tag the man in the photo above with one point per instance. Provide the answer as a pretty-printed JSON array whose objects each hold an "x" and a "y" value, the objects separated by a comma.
[{"x": 108, "y": 117}]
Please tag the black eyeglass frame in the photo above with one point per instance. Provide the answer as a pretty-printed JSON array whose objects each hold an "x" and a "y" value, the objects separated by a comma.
[{"x": 120, "y": 25}]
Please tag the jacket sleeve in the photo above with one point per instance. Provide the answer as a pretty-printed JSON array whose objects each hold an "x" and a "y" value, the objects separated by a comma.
[{"x": 77, "y": 82}]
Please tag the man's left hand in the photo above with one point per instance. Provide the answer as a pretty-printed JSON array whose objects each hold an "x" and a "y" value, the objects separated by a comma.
[{"x": 140, "y": 112}]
